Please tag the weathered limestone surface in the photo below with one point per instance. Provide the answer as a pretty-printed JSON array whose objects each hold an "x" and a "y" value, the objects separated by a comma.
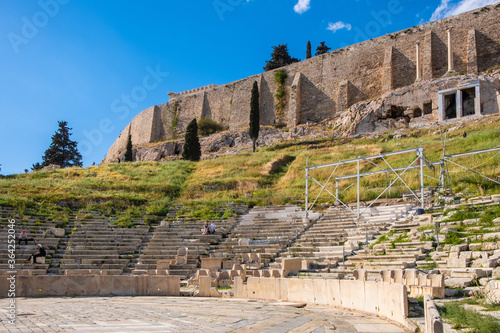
[
  {"x": 93, "y": 285},
  {"x": 388, "y": 300},
  {"x": 402, "y": 107},
  {"x": 321, "y": 87}
]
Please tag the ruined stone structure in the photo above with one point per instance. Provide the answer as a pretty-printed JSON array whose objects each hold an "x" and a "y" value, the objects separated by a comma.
[{"x": 322, "y": 87}]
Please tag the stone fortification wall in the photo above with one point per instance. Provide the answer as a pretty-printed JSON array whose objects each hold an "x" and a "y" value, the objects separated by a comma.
[{"x": 320, "y": 87}]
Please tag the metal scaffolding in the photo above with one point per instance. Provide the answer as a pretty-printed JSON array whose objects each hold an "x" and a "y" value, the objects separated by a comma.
[{"x": 418, "y": 163}]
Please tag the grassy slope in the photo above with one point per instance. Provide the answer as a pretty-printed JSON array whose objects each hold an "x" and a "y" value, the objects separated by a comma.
[{"x": 245, "y": 178}]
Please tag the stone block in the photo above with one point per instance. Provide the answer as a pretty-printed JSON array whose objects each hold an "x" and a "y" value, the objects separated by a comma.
[
  {"x": 205, "y": 285},
  {"x": 485, "y": 263},
  {"x": 480, "y": 255},
  {"x": 398, "y": 276},
  {"x": 458, "y": 282},
  {"x": 243, "y": 242},
  {"x": 387, "y": 276},
  {"x": 469, "y": 272},
  {"x": 58, "y": 232},
  {"x": 437, "y": 280},
  {"x": 240, "y": 290},
  {"x": 488, "y": 246},
  {"x": 163, "y": 264},
  {"x": 211, "y": 263},
  {"x": 451, "y": 292},
  {"x": 458, "y": 248},
  {"x": 457, "y": 263},
  {"x": 276, "y": 273},
  {"x": 300, "y": 290},
  {"x": 268, "y": 289},
  {"x": 291, "y": 266},
  {"x": 476, "y": 247},
  {"x": 229, "y": 264},
  {"x": 360, "y": 274},
  {"x": 39, "y": 260},
  {"x": 253, "y": 287},
  {"x": 120, "y": 285},
  {"x": 433, "y": 320},
  {"x": 466, "y": 255}
]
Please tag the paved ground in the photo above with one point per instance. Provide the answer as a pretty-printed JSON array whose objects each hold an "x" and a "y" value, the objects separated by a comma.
[{"x": 177, "y": 314}]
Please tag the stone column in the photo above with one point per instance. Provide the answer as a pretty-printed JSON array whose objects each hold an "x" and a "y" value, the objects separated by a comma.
[
  {"x": 477, "y": 100},
  {"x": 450, "y": 51},
  {"x": 442, "y": 114},
  {"x": 459, "y": 103},
  {"x": 419, "y": 69}
]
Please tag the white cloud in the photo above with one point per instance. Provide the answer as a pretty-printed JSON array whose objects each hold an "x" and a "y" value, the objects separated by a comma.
[
  {"x": 302, "y": 6},
  {"x": 337, "y": 26},
  {"x": 447, "y": 8}
]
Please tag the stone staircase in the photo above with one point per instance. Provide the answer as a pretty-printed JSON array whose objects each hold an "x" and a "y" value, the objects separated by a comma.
[
  {"x": 170, "y": 236},
  {"x": 37, "y": 228},
  {"x": 61, "y": 250},
  {"x": 98, "y": 245},
  {"x": 267, "y": 231}
]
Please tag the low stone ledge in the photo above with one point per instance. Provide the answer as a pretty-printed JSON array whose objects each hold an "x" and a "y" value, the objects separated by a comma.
[{"x": 93, "y": 285}]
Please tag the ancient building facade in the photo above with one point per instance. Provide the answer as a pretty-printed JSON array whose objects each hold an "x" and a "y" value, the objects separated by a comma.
[{"x": 321, "y": 87}]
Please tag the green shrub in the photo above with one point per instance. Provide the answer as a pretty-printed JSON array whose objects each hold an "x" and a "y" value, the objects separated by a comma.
[
  {"x": 464, "y": 318},
  {"x": 453, "y": 238},
  {"x": 207, "y": 126}
]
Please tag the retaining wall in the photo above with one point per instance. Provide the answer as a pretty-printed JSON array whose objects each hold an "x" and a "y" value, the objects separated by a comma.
[
  {"x": 387, "y": 300},
  {"x": 91, "y": 285}
]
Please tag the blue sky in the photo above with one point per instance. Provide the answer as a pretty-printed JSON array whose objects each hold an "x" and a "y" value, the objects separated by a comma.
[{"x": 97, "y": 64}]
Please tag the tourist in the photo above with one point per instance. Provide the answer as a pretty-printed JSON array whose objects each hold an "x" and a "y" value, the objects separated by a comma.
[
  {"x": 23, "y": 237},
  {"x": 204, "y": 230},
  {"x": 211, "y": 229},
  {"x": 41, "y": 253},
  {"x": 464, "y": 135}
]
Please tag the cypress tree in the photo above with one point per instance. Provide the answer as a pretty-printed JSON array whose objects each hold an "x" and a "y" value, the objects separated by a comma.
[
  {"x": 254, "y": 115},
  {"x": 192, "y": 148},
  {"x": 322, "y": 49},
  {"x": 308, "y": 51},
  {"x": 62, "y": 151},
  {"x": 128, "y": 152}
]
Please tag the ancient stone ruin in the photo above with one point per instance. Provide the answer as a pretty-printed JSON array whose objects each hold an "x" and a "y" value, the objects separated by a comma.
[{"x": 427, "y": 72}]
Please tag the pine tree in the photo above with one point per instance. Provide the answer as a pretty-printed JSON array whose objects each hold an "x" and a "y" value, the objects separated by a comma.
[
  {"x": 62, "y": 151},
  {"x": 192, "y": 149},
  {"x": 322, "y": 49},
  {"x": 254, "y": 115},
  {"x": 128, "y": 152},
  {"x": 308, "y": 51},
  {"x": 279, "y": 58}
]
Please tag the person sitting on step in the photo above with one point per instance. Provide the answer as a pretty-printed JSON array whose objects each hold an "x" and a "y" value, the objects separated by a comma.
[
  {"x": 23, "y": 237},
  {"x": 211, "y": 228},
  {"x": 41, "y": 253},
  {"x": 204, "y": 230}
]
